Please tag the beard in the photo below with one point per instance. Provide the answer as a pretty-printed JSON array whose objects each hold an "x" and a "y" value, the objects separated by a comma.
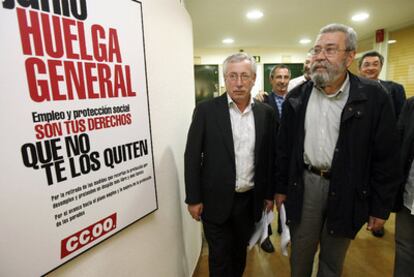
[{"x": 332, "y": 72}]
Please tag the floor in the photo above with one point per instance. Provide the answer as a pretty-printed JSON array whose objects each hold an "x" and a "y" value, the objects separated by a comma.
[{"x": 367, "y": 256}]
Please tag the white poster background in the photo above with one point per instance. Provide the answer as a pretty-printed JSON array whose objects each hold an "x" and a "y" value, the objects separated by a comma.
[{"x": 30, "y": 241}]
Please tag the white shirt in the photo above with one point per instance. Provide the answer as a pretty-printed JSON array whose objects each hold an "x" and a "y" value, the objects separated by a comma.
[
  {"x": 244, "y": 137},
  {"x": 296, "y": 82},
  {"x": 322, "y": 121},
  {"x": 409, "y": 190}
]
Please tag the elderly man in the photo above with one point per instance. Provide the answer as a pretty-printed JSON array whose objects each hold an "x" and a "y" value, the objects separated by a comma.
[
  {"x": 337, "y": 151},
  {"x": 228, "y": 165}
]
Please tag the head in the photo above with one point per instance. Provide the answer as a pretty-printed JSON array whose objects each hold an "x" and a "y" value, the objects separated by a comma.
[
  {"x": 370, "y": 65},
  {"x": 332, "y": 54},
  {"x": 307, "y": 67},
  {"x": 279, "y": 79},
  {"x": 239, "y": 72}
]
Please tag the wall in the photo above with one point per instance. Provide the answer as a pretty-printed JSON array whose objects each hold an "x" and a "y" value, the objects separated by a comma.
[
  {"x": 267, "y": 55},
  {"x": 401, "y": 58},
  {"x": 167, "y": 242}
]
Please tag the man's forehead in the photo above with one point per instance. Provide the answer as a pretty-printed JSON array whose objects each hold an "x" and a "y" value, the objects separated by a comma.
[
  {"x": 282, "y": 71},
  {"x": 371, "y": 59},
  {"x": 333, "y": 38}
]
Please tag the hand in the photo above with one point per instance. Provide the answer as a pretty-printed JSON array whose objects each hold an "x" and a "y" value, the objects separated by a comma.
[
  {"x": 279, "y": 199},
  {"x": 260, "y": 96},
  {"x": 375, "y": 223},
  {"x": 268, "y": 205},
  {"x": 195, "y": 210}
]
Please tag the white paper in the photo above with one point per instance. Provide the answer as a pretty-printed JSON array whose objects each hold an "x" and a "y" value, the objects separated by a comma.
[
  {"x": 285, "y": 236},
  {"x": 260, "y": 229}
]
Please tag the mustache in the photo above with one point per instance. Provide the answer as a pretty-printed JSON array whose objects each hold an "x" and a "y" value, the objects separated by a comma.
[{"x": 316, "y": 65}]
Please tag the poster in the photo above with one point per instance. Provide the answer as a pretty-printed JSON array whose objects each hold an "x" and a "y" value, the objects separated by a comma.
[{"x": 76, "y": 149}]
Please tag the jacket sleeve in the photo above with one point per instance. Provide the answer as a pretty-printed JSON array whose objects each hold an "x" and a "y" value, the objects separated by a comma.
[
  {"x": 386, "y": 171},
  {"x": 193, "y": 157}
]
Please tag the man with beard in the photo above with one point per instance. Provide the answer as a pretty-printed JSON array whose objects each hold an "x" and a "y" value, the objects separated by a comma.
[{"x": 336, "y": 156}]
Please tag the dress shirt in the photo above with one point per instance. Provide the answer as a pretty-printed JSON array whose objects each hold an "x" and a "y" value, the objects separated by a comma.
[
  {"x": 322, "y": 121},
  {"x": 244, "y": 136},
  {"x": 296, "y": 82},
  {"x": 409, "y": 190},
  {"x": 279, "y": 102}
]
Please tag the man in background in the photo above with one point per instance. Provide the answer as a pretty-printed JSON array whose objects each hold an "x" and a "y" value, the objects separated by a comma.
[
  {"x": 228, "y": 164},
  {"x": 279, "y": 78},
  {"x": 370, "y": 66},
  {"x": 303, "y": 78},
  {"x": 335, "y": 164}
]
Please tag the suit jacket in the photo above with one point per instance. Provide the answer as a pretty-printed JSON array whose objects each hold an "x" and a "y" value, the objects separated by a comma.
[
  {"x": 406, "y": 129},
  {"x": 210, "y": 170},
  {"x": 397, "y": 94},
  {"x": 270, "y": 100},
  {"x": 365, "y": 175}
]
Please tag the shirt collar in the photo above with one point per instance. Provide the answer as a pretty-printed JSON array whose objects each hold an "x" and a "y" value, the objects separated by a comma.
[
  {"x": 231, "y": 102},
  {"x": 344, "y": 88}
]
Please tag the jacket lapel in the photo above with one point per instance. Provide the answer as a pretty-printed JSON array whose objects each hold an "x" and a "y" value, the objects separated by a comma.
[
  {"x": 356, "y": 96},
  {"x": 259, "y": 118},
  {"x": 223, "y": 120}
]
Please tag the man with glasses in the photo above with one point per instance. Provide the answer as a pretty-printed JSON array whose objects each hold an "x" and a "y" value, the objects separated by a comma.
[
  {"x": 228, "y": 166},
  {"x": 336, "y": 158}
]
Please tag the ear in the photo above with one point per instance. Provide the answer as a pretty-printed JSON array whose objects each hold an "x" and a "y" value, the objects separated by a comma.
[{"x": 350, "y": 57}]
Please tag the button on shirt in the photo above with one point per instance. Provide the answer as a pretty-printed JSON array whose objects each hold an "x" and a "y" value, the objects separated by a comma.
[
  {"x": 409, "y": 190},
  {"x": 322, "y": 121},
  {"x": 279, "y": 102},
  {"x": 244, "y": 136}
]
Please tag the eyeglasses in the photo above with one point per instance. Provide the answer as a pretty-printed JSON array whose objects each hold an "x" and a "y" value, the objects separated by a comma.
[
  {"x": 234, "y": 77},
  {"x": 329, "y": 51}
]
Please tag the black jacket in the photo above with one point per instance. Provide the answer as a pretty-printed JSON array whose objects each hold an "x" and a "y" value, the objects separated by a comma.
[
  {"x": 406, "y": 129},
  {"x": 364, "y": 172},
  {"x": 209, "y": 160},
  {"x": 397, "y": 94}
]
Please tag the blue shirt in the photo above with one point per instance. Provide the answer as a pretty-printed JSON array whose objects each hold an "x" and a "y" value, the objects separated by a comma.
[{"x": 279, "y": 102}]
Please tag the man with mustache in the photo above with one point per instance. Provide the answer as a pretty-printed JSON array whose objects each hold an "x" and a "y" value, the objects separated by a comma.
[{"x": 336, "y": 156}]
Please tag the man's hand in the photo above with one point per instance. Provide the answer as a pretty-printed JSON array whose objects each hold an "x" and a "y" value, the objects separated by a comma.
[
  {"x": 195, "y": 210},
  {"x": 279, "y": 199},
  {"x": 268, "y": 205},
  {"x": 260, "y": 96},
  {"x": 375, "y": 223}
]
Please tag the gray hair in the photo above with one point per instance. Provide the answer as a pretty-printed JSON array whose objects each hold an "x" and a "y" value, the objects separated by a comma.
[
  {"x": 276, "y": 67},
  {"x": 351, "y": 36},
  {"x": 239, "y": 57}
]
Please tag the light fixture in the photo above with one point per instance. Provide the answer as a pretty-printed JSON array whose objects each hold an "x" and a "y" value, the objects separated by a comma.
[
  {"x": 391, "y": 41},
  {"x": 360, "y": 16},
  {"x": 254, "y": 15},
  {"x": 227, "y": 41},
  {"x": 304, "y": 41}
]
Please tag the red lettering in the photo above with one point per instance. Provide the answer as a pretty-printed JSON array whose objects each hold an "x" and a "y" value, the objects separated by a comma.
[{"x": 27, "y": 32}]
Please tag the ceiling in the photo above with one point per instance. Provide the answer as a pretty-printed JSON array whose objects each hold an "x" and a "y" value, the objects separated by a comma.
[{"x": 286, "y": 22}]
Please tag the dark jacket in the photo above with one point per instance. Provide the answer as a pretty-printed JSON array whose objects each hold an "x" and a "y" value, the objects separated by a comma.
[
  {"x": 406, "y": 128},
  {"x": 397, "y": 94},
  {"x": 210, "y": 170},
  {"x": 364, "y": 176},
  {"x": 270, "y": 100}
]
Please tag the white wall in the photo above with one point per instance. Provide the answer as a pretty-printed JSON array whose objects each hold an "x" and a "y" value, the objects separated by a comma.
[
  {"x": 167, "y": 242},
  {"x": 267, "y": 55}
]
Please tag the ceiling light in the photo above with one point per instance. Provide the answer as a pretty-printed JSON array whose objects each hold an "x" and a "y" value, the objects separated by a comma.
[
  {"x": 391, "y": 41},
  {"x": 304, "y": 41},
  {"x": 360, "y": 17},
  {"x": 227, "y": 41},
  {"x": 253, "y": 15}
]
